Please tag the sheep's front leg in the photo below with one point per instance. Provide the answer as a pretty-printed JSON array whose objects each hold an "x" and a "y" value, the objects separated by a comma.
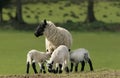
[
  {"x": 60, "y": 68},
  {"x": 90, "y": 64},
  {"x": 28, "y": 66},
  {"x": 34, "y": 67},
  {"x": 83, "y": 65},
  {"x": 43, "y": 67},
  {"x": 40, "y": 67},
  {"x": 67, "y": 69},
  {"x": 57, "y": 68}
]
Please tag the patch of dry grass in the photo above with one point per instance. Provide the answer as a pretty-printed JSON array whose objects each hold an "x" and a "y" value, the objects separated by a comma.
[{"x": 95, "y": 74}]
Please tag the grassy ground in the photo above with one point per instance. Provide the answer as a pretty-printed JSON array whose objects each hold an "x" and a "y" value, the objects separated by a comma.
[
  {"x": 95, "y": 74},
  {"x": 14, "y": 45},
  {"x": 64, "y": 10}
]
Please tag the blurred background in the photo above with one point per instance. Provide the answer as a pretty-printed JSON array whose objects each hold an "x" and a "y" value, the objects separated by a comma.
[
  {"x": 81, "y": 15},
  {"x": 94, "y": 25}
]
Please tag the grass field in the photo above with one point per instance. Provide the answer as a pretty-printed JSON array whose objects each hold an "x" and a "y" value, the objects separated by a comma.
[
  {"x": 14, "y": 45},
  {"x": 104, "y": 47},
  {"x": 64, "y": 10}
]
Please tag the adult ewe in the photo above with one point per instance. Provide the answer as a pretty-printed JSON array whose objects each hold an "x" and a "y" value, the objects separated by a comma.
[
  {"x": 35, "y": 56},
  {"x": 80, "y": 55},
  {"x": 55, "y": 36},
  {"x": 60, "y": 58}
]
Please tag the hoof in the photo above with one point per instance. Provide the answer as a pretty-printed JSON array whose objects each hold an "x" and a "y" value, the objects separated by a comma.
[
  {"x": 44, "y": 72},
  {"x": 60, "y": 71}
]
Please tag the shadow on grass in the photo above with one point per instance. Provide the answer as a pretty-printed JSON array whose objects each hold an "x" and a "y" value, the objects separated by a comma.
[{"x": 72, "y": 26}]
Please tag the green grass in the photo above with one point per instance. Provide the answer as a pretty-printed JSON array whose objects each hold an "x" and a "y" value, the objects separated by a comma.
[
  {"x": 14, "y": 45},
  {"x": 13, "y": 50},
  {"x": 104, "y": 11}
]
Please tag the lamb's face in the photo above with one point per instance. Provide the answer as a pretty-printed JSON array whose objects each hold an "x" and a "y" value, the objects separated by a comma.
[{"x": 40, "y": 29}]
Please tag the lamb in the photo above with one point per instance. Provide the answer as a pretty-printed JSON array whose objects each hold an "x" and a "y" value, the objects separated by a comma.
[
  {"x": 35, "y": 56},
  {"x": 80, "y": 55},
  {"x": 60, "y": 57},
  {"x": 55, "y": 36}
]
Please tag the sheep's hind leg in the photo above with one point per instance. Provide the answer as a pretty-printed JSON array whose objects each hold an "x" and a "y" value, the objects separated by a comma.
[
  {"x": 34, "y": 67},
  {"x": 28, "y": 66},
  {"x": 90, "y": 64},
  {"x": 83, "y": 65},
  {"x": 40, "y": 70},
  {"x": 76, "y": 67},
  {"x": 71, "y": 69}
]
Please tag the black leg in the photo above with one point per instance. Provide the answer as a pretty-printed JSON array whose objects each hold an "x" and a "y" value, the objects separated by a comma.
[
  {"x": 57, "y": 70},
  {"x": 83, "y": 65},
  {"x": 43, "y": 67},
  {"x": 76, "y": 67},
  {"x": 60, "y": 68},
  {"x": 28, "y": 66},
  {"x": 69, "y": 50},
  {"x": 40, "y": 70},
  {"x": 67, "y": 69},
  {"x": 34, "y": 67},
  {"x": 54, "y": 71},
  {"x": 90, "y": 64},
  {"x": 71, "y": 67}
]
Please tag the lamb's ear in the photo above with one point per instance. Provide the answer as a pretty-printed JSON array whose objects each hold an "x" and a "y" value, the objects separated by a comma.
[{"x": 45, "y": 22}]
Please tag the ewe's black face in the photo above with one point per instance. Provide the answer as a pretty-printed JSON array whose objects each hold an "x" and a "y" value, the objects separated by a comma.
[{"x": 40, "y": 29}]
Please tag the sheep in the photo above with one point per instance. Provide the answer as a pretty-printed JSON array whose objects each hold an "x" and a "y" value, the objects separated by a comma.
[
  {"x": 54, "y": 36},
  {"x": 80, "y": 55},
  {"x": 35, "y": 56},
  {"x": 60, "y": 57}
]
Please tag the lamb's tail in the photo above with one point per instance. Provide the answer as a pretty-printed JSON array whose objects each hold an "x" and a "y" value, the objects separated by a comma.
[
  {"x": 86, "y": 56},
  {"x": 29, "y": 58}
]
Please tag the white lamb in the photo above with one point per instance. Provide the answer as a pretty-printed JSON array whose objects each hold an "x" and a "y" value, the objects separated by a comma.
[
  {"x": 35, "y": 56},
  {"x": 80, "y": 55},
  {"x": 60, "y": 58},
  {"x": 55, "y": 36}
]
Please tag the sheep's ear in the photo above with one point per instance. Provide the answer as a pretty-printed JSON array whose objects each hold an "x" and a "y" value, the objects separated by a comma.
[{"x": 45, "y": 22}]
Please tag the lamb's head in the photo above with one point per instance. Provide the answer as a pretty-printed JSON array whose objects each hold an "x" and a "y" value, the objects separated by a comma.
[
  {"x": 48, "y": 54},
  {"x": 40, "y": 29}
]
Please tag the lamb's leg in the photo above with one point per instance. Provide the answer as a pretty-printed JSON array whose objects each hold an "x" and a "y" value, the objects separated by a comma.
[
  {"x": 34, "y": 67},
  {"x": 67, "y": 69},
  {"x": 90, "y": 64},
  {"x": 69, "y": 50},
  {"x": 76, "y": 67},
  {"x": 83, "y": 65},
  {"x": 60, "y": 68},
  {"x": 28, "y": 66},
  {"x": 40, "y": 67},
  {"x": 56, "y": 71},
  {"x": 40, "y": 70},
  {"x": 72, "y": 64},
  {"x": 43, "y": 67}
]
